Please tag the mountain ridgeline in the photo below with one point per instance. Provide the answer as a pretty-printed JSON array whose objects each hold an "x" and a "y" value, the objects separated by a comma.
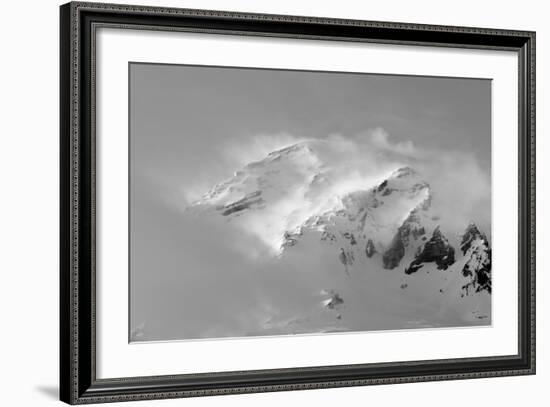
[{"x": 389, "y": 226}]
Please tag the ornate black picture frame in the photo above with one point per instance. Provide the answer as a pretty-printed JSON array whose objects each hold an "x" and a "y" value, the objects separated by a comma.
[{"x": 78, "y": 381}]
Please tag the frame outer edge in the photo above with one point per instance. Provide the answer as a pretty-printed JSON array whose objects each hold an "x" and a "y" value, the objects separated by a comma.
[
  {"x": 174, "y": 11},
  {"x": 70, "y": 191},
  {"x": 533, "y": 196},
  {"x": 70, "y": 352},
  {"x": 64, "y": 198}
]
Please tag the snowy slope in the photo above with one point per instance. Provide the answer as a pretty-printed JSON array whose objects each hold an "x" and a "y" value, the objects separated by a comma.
[{"x": 383, "y": 260}]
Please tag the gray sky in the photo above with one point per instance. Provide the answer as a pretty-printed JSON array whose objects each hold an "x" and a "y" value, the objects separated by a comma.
[
  {"x": 184, "y": 116},
  {"x": 192, "y": 127}
]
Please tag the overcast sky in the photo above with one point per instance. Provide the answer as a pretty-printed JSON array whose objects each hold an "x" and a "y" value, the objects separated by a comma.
[{"x": 192, "y": 127}]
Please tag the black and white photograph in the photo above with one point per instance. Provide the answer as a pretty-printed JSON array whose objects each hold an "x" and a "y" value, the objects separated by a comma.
[
  {"x": 274, "y": 203},
  {"x": 267, "y": 202},
  {"x": 255, "y": 201}
]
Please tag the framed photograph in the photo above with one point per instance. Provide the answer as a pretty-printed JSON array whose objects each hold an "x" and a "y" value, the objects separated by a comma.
[{"x": 255, "y": 203}]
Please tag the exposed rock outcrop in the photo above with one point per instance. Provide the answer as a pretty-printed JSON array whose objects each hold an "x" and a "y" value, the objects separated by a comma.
[
  {"x": 250, "y": 200},
  {"x": 477, "y": 269},
  {"x": 370, "y": 249},
  {"x": 395, "y": 252},
  {"x": 334, "y": 300},
  {"x": 437, "y": 250},
  {"x": 410, "y": 229}
]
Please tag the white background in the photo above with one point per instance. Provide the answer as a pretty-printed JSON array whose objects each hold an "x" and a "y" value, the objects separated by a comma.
[
  {"x": 29, "y": 204},
  {"x": 118, "y": 359}
]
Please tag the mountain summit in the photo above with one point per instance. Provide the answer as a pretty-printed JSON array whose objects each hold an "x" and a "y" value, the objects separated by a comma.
[{"x": 383, "y": 225}]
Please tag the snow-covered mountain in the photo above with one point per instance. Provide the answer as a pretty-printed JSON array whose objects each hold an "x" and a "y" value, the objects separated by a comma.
[{"x": 380, "y": 234}]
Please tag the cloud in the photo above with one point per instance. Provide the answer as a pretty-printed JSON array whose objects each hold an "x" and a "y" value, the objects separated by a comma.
[
  {"x": 460, "y": 187},
  {"x": 231, "y": 156},
  {"x": 291, "y": 189},
  {"x": 253, "y": 148},
  {"x": 380, "y": 139}
]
